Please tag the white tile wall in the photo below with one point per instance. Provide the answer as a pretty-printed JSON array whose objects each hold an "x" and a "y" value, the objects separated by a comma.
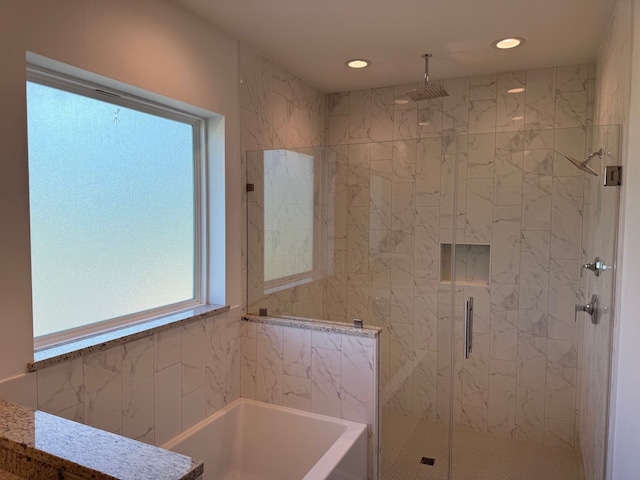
[
  {"x": 167, "y": 403},
  {"x": 329, "y": 373},
  {"x": 61, "y": 386},
  {"x": 279, "y": 110},
  {"x": 391, "y": 195},
  {"x": 150, "y": 389},
  {"x": 138, "y": 419},
  {"x": 102, "y": 397},
  {"x": 515, "y": 192}
]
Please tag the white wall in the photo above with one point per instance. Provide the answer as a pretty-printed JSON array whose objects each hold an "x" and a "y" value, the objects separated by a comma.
[{"x": 151, "y": 44}]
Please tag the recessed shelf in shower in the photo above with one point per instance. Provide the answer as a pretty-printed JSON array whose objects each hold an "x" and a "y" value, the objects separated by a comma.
[{"x": 472, "y": 263}]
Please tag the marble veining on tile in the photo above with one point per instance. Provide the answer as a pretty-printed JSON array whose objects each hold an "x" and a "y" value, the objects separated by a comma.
[
  {"x": 86, "y": 451},
  {"x": 495, "y": 148}
]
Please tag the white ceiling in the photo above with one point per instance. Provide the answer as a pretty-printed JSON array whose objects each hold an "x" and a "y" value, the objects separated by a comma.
[{"x": 313, "y": 38}]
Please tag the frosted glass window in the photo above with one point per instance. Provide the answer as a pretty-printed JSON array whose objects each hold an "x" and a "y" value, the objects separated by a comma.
[
  {"x": 288, "y": 214},
  {"x": 112, "y": 199}
]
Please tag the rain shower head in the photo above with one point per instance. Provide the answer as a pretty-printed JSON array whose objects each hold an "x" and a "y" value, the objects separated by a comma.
[
  {"x": 426, "y": 92},
  {"x": 584, "y": 165}
]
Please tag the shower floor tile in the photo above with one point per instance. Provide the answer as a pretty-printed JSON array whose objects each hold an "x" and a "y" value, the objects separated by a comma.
[
  {"x": 396, "y": 431},
  {"x": 477, "y": 456}
]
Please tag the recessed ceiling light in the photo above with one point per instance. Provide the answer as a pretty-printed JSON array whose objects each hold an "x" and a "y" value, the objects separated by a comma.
[
  {"x": 401, "y": 101},
  {"x": 515, "y": 90},
  {"x": 358, "y": 63},
  {"x": 506, "y": 43}
]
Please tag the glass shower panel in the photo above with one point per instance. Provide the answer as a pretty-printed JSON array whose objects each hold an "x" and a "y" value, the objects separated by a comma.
[
  {"x": 287, "y": 232},
  {"x": 411, "y": 185},
  {"x": 382, "y": 223},
  {"x": 531, "y": 398},
  {"x": 594, "y": 347},
  {"x": 485, "y": 190}
]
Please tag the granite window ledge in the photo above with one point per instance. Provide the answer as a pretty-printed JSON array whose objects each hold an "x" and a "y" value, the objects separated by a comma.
[{"x": 55, "y": 354}]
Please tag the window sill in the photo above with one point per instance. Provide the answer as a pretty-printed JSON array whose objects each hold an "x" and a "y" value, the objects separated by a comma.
[{"x": 54, "y": 354}]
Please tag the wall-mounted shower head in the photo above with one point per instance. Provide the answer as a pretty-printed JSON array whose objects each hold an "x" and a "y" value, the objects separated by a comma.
[
  {"x": 584, "y": 165},
  {"x": 426, "y": 92}
]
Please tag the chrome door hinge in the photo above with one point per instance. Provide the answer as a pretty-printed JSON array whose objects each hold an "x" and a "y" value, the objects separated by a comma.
[{"x": 612, "y": 176}]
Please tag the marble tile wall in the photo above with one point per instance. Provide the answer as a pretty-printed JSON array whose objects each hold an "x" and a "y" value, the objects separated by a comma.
[
  {"x": 277, "y": 111},
  {"x": 391, "y": 192},
  {"x": 322, "y": 372},
  {"x": 328, "y": 373},
  {"x": 515, "y": 192},
  {"x": 150, "y": 389}
]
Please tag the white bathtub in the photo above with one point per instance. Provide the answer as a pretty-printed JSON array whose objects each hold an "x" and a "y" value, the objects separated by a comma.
[{"x": 249, "y": 440}]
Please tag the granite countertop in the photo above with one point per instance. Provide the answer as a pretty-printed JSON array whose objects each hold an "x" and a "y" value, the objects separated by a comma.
[
  {"x": 313, "y": 324},
  {"x": 35, "y": 444}
]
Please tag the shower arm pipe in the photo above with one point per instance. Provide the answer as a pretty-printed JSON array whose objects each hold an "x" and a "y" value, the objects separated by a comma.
[
  {"x": 426, "y": 57},
  {"x": 597, "y": 153}
]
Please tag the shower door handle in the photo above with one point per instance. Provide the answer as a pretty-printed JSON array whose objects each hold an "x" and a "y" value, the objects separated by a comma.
[{"x": 468, "y": 327}]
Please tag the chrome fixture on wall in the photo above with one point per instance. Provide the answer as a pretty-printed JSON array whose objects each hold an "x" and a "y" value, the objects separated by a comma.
[
  {"x": 584, "y": 165},
  {"x": 468, "y": 327},
  {"x": 596, "y": 267},
  {"x": 591, "y": 308},
  {"x": 612, "y": 176}
]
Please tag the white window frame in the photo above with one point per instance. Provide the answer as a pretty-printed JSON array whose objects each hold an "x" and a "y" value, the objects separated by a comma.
[{"x": 204, "y": 125}]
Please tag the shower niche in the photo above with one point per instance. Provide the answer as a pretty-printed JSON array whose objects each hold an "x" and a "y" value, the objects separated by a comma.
[{"x": 472, "y": 264}]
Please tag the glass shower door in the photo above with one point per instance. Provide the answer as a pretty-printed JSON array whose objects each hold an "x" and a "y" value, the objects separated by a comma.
[
  {"x": 410, "y": 181},
  {"x": 598, "y": 281},
  {"x": 530, "y": 399},
  {"x": 484, "y": 220}
]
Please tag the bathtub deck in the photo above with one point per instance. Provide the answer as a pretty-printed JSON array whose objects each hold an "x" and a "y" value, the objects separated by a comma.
[{"x": 477, "y": 456}]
